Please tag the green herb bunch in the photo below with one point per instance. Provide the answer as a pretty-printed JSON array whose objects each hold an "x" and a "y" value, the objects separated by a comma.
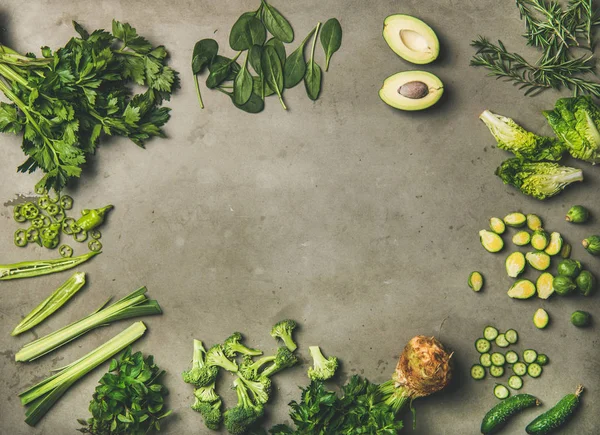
[
  {"x": 129, "y": 399},
  {"x": 274, "y": 71},
  {"x": 64, "y": 101},
  {"x": 559, "y": 33}
]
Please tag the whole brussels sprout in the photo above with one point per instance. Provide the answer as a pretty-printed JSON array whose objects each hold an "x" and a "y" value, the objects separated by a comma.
[
  {"x": 578, "y": 214},
  {"x": 563, "y": 285},
  {"x": 586, "y": 282},
  {"x": 568, "y": 267}
]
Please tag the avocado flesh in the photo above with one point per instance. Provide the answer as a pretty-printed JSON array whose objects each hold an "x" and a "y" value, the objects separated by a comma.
[
  {"x": 411, "y": 39},
  {"x": 390, "y": 92}
]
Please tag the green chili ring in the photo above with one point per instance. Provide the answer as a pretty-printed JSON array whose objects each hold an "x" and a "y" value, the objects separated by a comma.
[
  {"x": 43, "y": 202},
  {"x": 65, "y": 251},
  {"x": 80, "y": 236},
  {"x": 50, "y": 243},
  {"x": 66, "y": 202},
  {"x": 52, "y": 209},
  {"x": 29, "y": 210},
  {"x": 95, "y": 245},
  {"x": 55, "y": 199},
  {"x": 60, "y": 216},
  {"x": 95, "y": 234},
  {"x": 69, "y": 226},
  {"x": 49, "y": 234},
  {"x": 41, "y": 190},
  {"x": 32, "y": 234},
  {"x": 21, "y": 238},
  {"x": 17, "y": 214}
]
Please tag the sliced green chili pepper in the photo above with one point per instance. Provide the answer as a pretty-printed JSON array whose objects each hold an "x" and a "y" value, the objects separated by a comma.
[
  {"x": 29, "y": 210},
  {"x": 40, "y": 190},
  {"x": 37, "y": 223},
  {"x": 20, "y": 238},
  {"x": 69, "y": 226},
  {"x": 17, "y": 214},
  {"x": 92, "y": 218},
  {"x": 95, "y": 234},
  {"x": 66, "y": 202},
  {"x": 95, "y": 245},
  {"x": 55, "y": 199},
  {"x": 49, "y": 236},
  {"x": 28, "y": 269},
  {"x": 33, "y": 234},
  {"x": 60, "y": 216},
  {"x": 65, "y": 251},
  {"x": 52, "y": 209},
  {"x": 43, "y": 202},
  {"x": 80, "y": 236}
]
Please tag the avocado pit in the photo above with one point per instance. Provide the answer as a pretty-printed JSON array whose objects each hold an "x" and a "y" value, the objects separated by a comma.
[{"x": 414, "y": 90}]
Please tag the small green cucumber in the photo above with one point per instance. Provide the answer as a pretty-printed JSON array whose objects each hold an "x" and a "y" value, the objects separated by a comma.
[
  {"x": 557, "y": 416},
  {"x": 498, "y": 416}
]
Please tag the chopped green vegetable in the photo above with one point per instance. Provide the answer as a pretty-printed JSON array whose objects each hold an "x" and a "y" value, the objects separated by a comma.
[
  {"x": 323, "y": 368},
  {"x": 501, "y": 341},
  {"x": 240, "y": 418},
  {"x": 544, "y": 285},
  {"x": 542, "y": 359},
  {"x": 538, "y": 260},
  {"x": 476, "y": 281},
  {"x": 477, "y": 372},
  {"x": 540, "y": 239},
  {"x": 501, "y": 392},
  {"x": 133, "y": 305},
  {"x": 565, "y": 252},
  {"x": 515, "y": 219},
  {"x": 492, "y": 242},
  {"x": 215, "y": 357},
  {"x": 283, "y": 331},
  {"x": 232, "y": 346},
  {"x": 538, "y": 179},
  {"x": 515, "y": 264},
  {"x": 52, "y": 303},
  {"x": 556, "y": 416},
  {"x": 522, "y": 289},
  {"x": 92, "y": 219},
  {"x": 540, "y": 318},
  {"x": 485, "y": 359},
  {"x": 534, "y": 370},
  {"x": 46, "y": 393},
  {"x": 581, "y": 318},
  {"x": 497, "y": 371},
  {"x": 563, "y": 285},
  {"x": 511, "y": 336},
  {"x": 497, "y": 225},
  {"x": 135, "y": 381},
  {"x": 555, "y": 245},
  {"x": 512, "y": 357},
  {"x": 482, "y": 345},
  {"x": 490, "y": 333},
  {"x": 578, "y": 214},
  {"x": 515, "y": 382},
  {"x": 521, "y": 238},
  {"x": 497, "y": 359},
  {"x": 586, "y": 282},
  {"x": 200, "y": 374},
  {"x": 534, "y": 222},
  {"x": 520, "y": 369},
  {"x": 284, "y": 358},
  {"x": 28, "y": 269},
  {"x": 592, "y": 245}
]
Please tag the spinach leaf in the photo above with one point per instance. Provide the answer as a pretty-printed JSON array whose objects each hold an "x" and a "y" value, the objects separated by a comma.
[
  {"x": 242, "y": 85},
  {"x": 295, "y": 65},
  {"x": 261, "y": 88},
  {"x": 255, "y": 54},
  {"x": 246, "y": 32},
  {"x": 331, "y": 39},
  {"x": 205, "y": 51},
  {"x": 255, "y": 104},
  {"x": 221, "y": 69},
  {"x": 276, "y": 23},
  {"x": 279, "y": 48},
  {"x": 272, "y": 71},
  {"x": 312, "y": 79}
]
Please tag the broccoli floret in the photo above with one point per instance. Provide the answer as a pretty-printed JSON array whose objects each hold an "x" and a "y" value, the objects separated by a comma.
[
  {"x": 538, "y": 179},
  {"x": 211, "y": 413},
  {"x": 250, "y": 368},
  {"x": 284, "y": 359},
  {"x": 283, "y": 331},
  {"x": 215, "y": 357},
  {"x": 206, "y": 394},
  {"x": 232, "y": 347},
  {"x": 200, "y": 374},
  {"x": 245, "y": 414},
  {"x": 324, "y": 368},
  {"x": 260, "y": 389}
]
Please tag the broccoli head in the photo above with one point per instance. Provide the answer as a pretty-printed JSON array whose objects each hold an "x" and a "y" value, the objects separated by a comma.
[
  {"x": 522, "y": 143},
  {"x": 211, "y": 413},
  {"x": 215, "y": 357},
  {"x": 283, "y": 359},
  {"x": 249, "y": 368},
  {"x": 232, "y": 346},
  {"x": 538, "y": 179},
  {"x": 207, "y": 393},
  {"x": 244, "y": 414},
  {"x": 200, "y": 374},
  {"x": 283, "y": 331},
  {"x": 323, "y": 368},
  {"x": 260, "y": 389}
]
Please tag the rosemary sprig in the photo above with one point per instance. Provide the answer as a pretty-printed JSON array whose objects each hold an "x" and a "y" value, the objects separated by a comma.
[{"x": 556, "y": 32}]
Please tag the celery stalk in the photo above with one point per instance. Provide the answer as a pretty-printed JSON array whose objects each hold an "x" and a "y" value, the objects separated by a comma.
[
  {"x": 52, "y": 303},
  {"x": 46, "y": 393},
  {"x": 133, "y": 305}
]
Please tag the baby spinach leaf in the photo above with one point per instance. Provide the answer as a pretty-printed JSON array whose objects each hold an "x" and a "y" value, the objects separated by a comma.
[
  {"x": 279, "y": 48},
  {"x": 272, "y": 71},
  {"x": 242, "y": 86},
  {"x": 205, "y": 51},
  {"x": 246, "y": 32},
  {"x": 295, "y": 65},
  {"x": 255, "y": 54},
  {"x": 255, "y": 104},
  {"x": 312, "y": 79},
  {"x": 276, "y": 23},
  {"x": 261, "y": 88},
  {"x": 221, "y": 69},
  {"x": 331, "y": 39}
]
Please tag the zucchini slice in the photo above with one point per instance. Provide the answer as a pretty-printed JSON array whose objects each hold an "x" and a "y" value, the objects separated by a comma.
[
  {"x": 477, "y": 372},
  {"x": 520, "y": 369},
  {"x": 485, "y": 359},
  {"x": 512, "y": 336},
  {"x": 501, "y": 341},
  {"x": 511, "y": 357},
  {"x": 515, "y": 219},
  {"x": 515, "y": 382},
  {"x": 534, "y": 370},
  {"x": 538, "y": 260},
  {"x": 498, "y": 359},
  {"x": 555, "y": 245},
  {"x": 515, "y": 264},
  {"x": 541, "y": 318},
  {"x": 492, "y": 242},
  {"x": 497, "y": 371},
  {"x": 501, "y": 392},
  {"x": 497, "y": 225},
  {"x": 522, "y": 289},
  {"x": 490, "y": 333},
  {"x": 521, "y": 238},
  {"x": 544, "y": 285},
  {"x": 529, "y": 356},
  {"x": 482, "y": 345}
]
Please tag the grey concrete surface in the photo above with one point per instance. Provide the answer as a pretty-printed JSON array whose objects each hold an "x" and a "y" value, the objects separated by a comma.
[{"x": 357, "y": 220}]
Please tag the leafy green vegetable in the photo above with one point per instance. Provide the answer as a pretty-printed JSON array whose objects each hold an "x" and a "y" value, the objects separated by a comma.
[
  {"x": 323, "y": 368},
  {"x": 283, "y": 331},
  {"x": 279, "y": 48},
  {"x": 242, "y": 85},
  {"x": 276, "y": 23},
  {"x": 576, "y": 121},
  {"x": 272, "y": 71},
  {"x": 295, "y": 65},
  {"x": 331, "y": 39},
  {"x": 133, "y": 305},
  {"x": 312, "y": 78},
  {"x": 130, "y": 398},
  {"x": 538, "y": 179},
  {"x": 204, "y": 53},
  {"x": 65, "y": 101},
  {"x": 221, "y": 69},
  {"x": 246, "y": 32},
  {"x": 522, "y": 143},
  {"x": 46, "y": 393}
]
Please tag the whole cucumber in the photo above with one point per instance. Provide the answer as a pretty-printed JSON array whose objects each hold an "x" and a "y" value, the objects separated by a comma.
[
  {"x": 557, "y": 416},
  {"x": 498, "y": 416}
]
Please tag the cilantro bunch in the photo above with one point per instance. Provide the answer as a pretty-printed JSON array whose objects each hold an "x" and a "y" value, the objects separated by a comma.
[
  {"x": 66, "y": 100},
  {"x": 129, "y": 399}
]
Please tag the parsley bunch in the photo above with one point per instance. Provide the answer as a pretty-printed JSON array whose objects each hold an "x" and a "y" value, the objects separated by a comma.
[
  {"x": 64, "y": 101},
  {"x": 129, "y": 399}
]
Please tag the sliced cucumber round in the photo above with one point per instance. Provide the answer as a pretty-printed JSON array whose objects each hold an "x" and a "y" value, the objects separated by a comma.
[
  {"x": 502, "y": 341},
  {"x": 512, "y": 336},
  {"x": 485, "y": 359},
  {"x": 511, "y": 357},
  {"x": 534, "y": 370},
  {"x": 497, "y": 371},
  {"x": 542, "y": 359},
  {"x": 515, "y": 382},
  {"x": 501, "y": 392},
  {"x": 482, "y": 345},
  {"x": 520, "y": 369},
  {"x": 529, "y": 356},
  {"x": 477, "y": 372},
  {"x": 490, "y": 333},
  {"x": 498, "y": 359}
]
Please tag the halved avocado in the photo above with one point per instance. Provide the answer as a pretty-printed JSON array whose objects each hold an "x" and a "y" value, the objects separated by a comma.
[
  {"x": 411, "y": 39},
  {"x": 411, "y": 90}
]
